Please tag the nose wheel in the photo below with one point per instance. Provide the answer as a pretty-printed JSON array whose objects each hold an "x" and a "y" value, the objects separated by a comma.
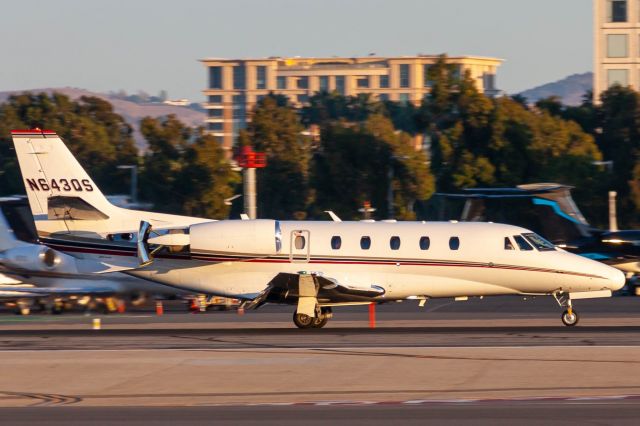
[{"x": 570, "y": 317}]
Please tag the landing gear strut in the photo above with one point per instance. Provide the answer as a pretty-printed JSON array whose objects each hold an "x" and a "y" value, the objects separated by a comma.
[
  {"x": 306, "y": 321},
  {"x": 569, "y": 316}
]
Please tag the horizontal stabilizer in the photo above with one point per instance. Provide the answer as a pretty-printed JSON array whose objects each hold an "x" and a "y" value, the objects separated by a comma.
[
  {"x": 102, "y": 268},
  {"x": 72, "y": 208}
]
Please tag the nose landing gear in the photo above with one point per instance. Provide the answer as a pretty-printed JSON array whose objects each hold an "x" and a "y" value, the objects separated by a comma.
[{"x": 569, "y": 316}]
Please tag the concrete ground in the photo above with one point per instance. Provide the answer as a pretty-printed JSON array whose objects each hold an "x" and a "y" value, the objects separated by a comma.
[{"x": 502, "y": 358}]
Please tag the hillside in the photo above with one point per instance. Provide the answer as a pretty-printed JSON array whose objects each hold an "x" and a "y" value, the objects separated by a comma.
[
  {"x": 570, "y": 89},
  {"x": 132, "y": 112}
]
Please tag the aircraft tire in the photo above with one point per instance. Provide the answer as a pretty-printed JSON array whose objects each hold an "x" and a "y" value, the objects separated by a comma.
[
  {"x": 320, "y": 322},
  {"x": 303, "y": 321},
  {"x": 570, "y": 320}
]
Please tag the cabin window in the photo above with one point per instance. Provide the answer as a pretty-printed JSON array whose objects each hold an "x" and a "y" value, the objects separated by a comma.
[
  {"x": 336, "y": 242},
  {"x": 394, "y": 243},
  {"x": 425, "y": 242},
  {"x": 365, "y": 243},
  {"x": 300, "y": 242},
  {"x": 508, "y": 245},
  {"x": 540, "y": 243},
  {"x": 522, "y": 243},
  {"x": 454, "y": 243}
]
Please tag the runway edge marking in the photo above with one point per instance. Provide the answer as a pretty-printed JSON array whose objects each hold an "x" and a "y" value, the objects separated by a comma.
[
  {"x": 418, "y": 402},
  {"x": 308, "y": 348}
]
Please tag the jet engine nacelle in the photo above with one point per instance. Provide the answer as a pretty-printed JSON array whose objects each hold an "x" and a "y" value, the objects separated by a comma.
[
  {"x": 38, "y": 258},
  {"x": 260, "y": 237}
]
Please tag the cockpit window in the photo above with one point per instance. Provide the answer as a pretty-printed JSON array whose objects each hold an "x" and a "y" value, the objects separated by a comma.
[
  {"x": 539, "y": 242},
  {"x": 508, "y": 245},
  {"x": 522, "y": 243}
]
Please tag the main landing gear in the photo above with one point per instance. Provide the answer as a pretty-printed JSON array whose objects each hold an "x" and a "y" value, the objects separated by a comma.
[
  {"x": 306, "y": 321},
  {"x": 569, "y": 316}
]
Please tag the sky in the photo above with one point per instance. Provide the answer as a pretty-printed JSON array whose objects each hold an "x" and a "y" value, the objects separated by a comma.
[{"x": 152, "y": 45}]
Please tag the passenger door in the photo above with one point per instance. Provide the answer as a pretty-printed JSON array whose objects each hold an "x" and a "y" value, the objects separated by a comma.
[{"x": 300, "y": 246}]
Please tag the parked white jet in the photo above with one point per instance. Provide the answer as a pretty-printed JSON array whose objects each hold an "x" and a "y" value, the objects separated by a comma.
[
  {"x": 31, "y": 273},
  {"x": 313, "y": 265}
]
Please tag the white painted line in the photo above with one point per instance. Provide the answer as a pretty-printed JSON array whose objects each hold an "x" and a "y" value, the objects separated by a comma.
[
  {"x": 326, "y": 350},
  {"x": 461, "y": 401}
]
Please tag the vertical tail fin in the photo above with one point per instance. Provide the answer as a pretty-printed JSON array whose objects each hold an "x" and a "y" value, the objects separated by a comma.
[
  {"x": 50, "y": 170},
  {"x": 8, "y": 239}
]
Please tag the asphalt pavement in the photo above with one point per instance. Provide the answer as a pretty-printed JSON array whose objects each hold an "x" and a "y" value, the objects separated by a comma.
[{"x": 491, "y": 361}]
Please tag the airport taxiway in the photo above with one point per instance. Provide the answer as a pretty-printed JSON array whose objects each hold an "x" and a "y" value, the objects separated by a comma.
[
  {"x": 477, "y": 414},
  {"x": 478, "y": 354}
]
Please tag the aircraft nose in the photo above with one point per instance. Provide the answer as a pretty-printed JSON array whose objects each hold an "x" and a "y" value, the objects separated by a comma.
[
  {"x": 611, "y": 278},
  {"x": 617, "y": 278}
]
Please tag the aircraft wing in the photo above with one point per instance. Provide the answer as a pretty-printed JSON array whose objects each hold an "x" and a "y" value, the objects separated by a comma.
[
  {"x": 7, "y": 280},
  {"x": 31, "y": 291},
  {"x": 289, "y": 288},
  {"x": 625, "y": 263},
  {"x": 17, "y": 295}
]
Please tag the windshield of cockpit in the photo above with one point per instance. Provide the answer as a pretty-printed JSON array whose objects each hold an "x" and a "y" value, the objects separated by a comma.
[
  {"x": 528, "y": 242},
  {"x": 538, "y": 242}
]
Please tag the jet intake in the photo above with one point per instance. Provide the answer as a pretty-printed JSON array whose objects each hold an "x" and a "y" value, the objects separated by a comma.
[
  {"x": 38, "y": 259},
  {"x": 260, "y": 237}
]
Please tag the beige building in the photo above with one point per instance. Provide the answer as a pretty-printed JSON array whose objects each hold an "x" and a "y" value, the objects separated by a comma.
[
  {"x": 616, "y": 44},
  {"x": 235, "y": 85}
]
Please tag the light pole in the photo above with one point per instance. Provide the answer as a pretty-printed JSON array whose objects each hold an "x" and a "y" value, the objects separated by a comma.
[
  {"x": 613, "y": 215},
  {"x": 250, "y": 160},
  {"x": 134, "y": 181}
]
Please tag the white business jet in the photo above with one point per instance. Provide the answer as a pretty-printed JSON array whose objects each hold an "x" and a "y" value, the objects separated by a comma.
[{"x": 312, "y": 265}]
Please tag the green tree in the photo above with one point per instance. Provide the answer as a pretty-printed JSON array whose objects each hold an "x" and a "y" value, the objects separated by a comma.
[
  {"x": 412, "y": 179},
  {"x": 99, "y": 138},
  {"x": 619, "y": 139},
  {"x": 207, "y": 179},
  {"x": 185, "y": 171},
  {"x": 349, "y": 168},
  {"x": 354, "y": 164},
  {"x": 167, "y": 140}
]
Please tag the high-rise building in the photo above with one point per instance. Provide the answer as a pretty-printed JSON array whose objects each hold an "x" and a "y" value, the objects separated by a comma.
[
  {"x": 236, "y": 85},
  {"x": 616, "y": 44}
]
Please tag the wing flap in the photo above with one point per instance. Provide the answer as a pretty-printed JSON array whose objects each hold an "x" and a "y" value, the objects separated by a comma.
[{"x": 287, "y": 288}]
